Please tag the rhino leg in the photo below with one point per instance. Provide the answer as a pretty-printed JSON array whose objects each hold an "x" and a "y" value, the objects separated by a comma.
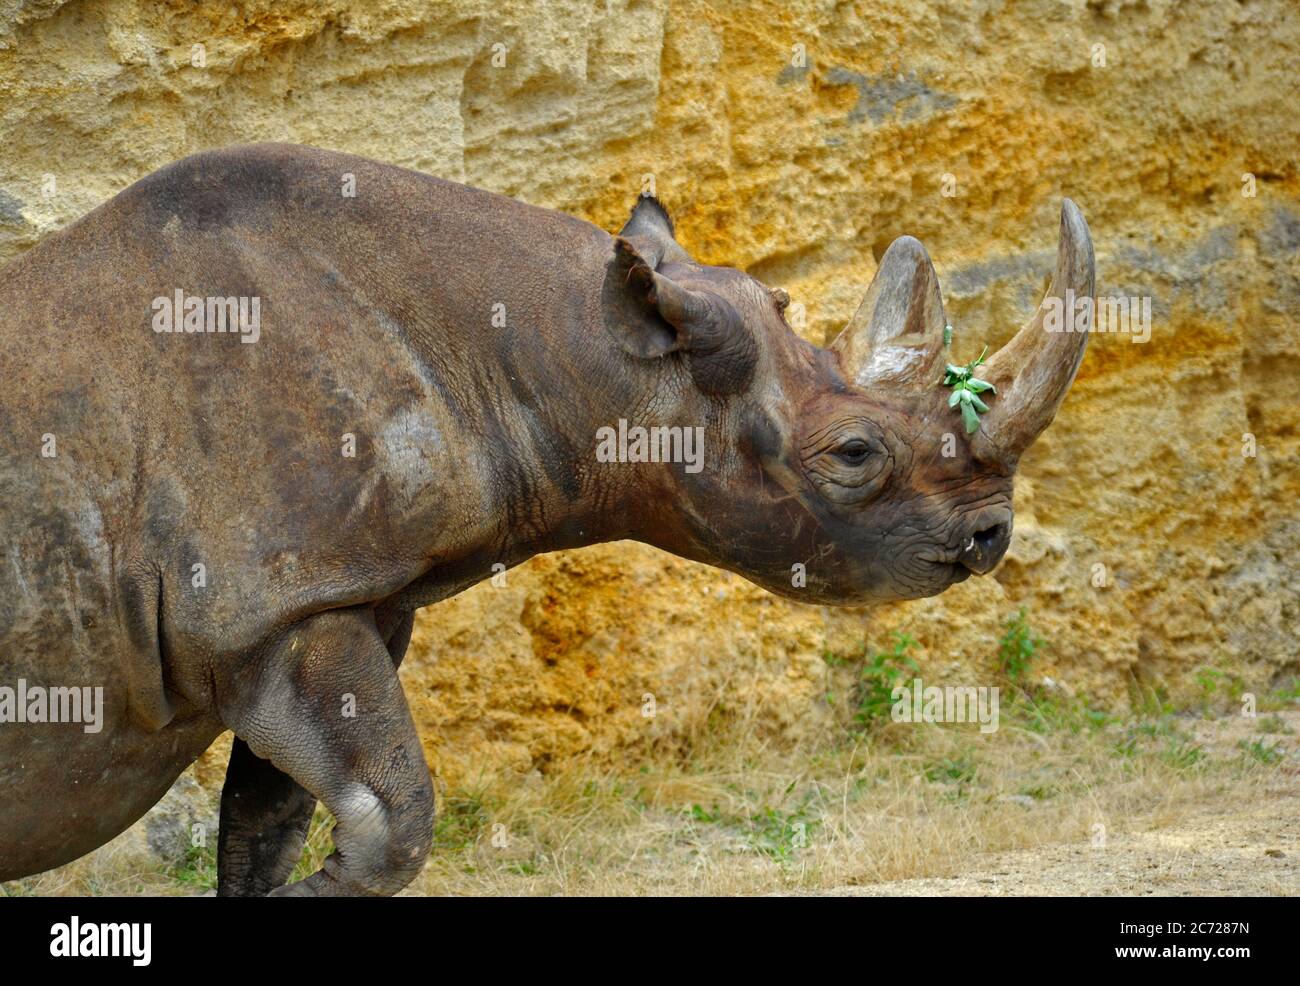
[
  {"x": 265, "y": 814},
  {"x": 324, "y": 706}
]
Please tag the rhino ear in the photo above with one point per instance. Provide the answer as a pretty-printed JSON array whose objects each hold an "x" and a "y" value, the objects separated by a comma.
[
  {"x": 650, "y": 230},
  {"x": 651, "y": 315},
  {"x": 631, "y": 303}
]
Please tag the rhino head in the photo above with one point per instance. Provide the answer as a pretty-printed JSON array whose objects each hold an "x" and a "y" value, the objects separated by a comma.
[{"x": 841, "y": 474}]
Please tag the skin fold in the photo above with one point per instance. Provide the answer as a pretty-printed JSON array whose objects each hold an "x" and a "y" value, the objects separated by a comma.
[{"x": 467, "y": 349}]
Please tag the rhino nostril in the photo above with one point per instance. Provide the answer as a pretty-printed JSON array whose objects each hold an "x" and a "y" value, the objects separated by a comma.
[
  {"x": 987, "y": 539},
  {"x": 984, "y": 549}
]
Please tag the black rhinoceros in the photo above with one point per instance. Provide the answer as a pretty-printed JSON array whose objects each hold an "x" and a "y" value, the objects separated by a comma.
[{"x": 270, "y": 400}]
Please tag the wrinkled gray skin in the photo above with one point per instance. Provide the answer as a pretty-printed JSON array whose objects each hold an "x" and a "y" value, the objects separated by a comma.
[{"x": 474, "y": 446}]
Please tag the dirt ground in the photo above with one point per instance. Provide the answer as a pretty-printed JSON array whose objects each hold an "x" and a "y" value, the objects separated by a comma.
[
  {"x": 1225, "y": 850},
  {"x": 1222, "y": 848}
]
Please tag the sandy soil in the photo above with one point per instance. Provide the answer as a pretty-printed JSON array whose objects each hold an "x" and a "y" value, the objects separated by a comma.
[{"x": 1224, "y": 848}]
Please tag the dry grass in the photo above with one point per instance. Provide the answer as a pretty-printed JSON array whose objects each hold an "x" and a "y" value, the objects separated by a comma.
[
  {"x": 728, "y": 813},
  {"x": 901, "y": 802}
]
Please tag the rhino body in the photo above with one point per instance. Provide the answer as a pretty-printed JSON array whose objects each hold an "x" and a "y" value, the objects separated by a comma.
[{"x": 234, "y": 534}]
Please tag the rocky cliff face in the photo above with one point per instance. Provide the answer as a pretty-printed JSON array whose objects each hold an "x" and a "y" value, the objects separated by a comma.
[{"x": 1156, "y": 528}]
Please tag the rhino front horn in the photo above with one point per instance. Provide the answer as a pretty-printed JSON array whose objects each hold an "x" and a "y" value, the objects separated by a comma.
[
  {"x": 1034, "y": 370},
  {"x": 895, "y": 338}
]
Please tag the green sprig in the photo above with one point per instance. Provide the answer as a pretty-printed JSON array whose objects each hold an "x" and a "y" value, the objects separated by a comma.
[{"x": 966, "y": 390}]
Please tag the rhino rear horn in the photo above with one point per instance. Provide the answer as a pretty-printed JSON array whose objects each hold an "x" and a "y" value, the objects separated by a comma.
[
  {"x": 895, "y": 338},
  {"x": 1033, "y": 372}
]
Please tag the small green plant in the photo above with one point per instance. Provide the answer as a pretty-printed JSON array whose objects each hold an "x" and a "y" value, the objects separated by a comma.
[
  {"x": 951, "y": 770},
  {"x": 1261, "y": 752},
  {"x": 701, "y": 814},
  {"x": 1182, "y": 753},
  {"x": 955, "y": 775},
  {"x": 1127, "y": 748},
  {"x": 197, "y": 868},
  {"x": 1149, "y": 701},
  {"x": 1214, "y": 682},
  {"x": 1162, "y": 739},
  {"x": 878, "y": 675},
  {"x": 1208, "y": 679},
  {"x": 966, "y": 390},
  {"x": 461, "y": 821},
  {"x": 1290, "y": 693},
  {"x": 1048, "y": 714},
  {"x": 779, "y": 834},
  {"x": 1017, "y": 648}
]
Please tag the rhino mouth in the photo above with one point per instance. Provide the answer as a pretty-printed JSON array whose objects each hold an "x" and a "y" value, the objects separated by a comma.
[
  {"x": 952, "y": 565},
  {"x": 934, "y": 571}
]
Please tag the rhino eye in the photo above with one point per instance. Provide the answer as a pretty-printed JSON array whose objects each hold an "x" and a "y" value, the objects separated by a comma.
[
  {"x": 848, "y": 460},
  {"x": 853, "y": 452}
]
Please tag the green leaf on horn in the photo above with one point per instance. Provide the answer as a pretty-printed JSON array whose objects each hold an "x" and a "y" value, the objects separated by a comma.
[{"x": 965, "y": 387}]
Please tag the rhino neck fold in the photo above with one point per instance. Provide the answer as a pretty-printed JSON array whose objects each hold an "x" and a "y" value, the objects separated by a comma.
[{"x": 520, "y": 370}]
